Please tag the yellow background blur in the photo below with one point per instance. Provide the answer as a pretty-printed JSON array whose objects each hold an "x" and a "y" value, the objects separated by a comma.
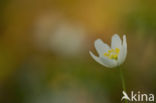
[{"x": 44, "y": 49}]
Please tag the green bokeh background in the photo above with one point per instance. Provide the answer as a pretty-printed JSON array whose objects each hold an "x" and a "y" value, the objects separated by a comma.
[{"x": 34, "y": 72}]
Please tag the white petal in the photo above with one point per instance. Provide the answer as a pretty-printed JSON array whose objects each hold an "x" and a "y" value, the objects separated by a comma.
[
  {"x": 116, "y": 42},
  {"x": 120, "y": 57},
  {"x": 112, "y": 63},
  {"x": 124, "y": 48},
  {"x": 123, "y": 52},
  {"x": 101, "y": 47},
  {"x": 103, "y": 61},
  {"x": 99, "y": 60}
]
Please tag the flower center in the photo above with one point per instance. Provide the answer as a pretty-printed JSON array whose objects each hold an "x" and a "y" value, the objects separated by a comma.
[{"x": 112, "y": 53}]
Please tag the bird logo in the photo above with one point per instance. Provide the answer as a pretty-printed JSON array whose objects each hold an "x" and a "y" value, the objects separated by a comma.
[{"x": 125, "y": 96}]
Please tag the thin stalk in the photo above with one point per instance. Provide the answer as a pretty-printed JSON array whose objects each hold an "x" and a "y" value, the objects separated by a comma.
[{"x": 122, "y": 80}]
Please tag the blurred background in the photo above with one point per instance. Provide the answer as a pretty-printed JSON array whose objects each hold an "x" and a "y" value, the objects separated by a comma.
[{"x": 44, "y": 50}]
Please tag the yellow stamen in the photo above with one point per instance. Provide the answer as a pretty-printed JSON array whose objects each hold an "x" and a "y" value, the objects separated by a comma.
[
  {"x": 111, "y": 57},
  {"x": 112, "y": 53},
  {"x": 117, "y": 50},
  {"x": 115, "y": 57},
  {"x": 106, "y": 54}
]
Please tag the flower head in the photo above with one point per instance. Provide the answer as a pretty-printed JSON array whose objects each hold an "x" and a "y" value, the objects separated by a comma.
[{"x": 111, "y": 56}]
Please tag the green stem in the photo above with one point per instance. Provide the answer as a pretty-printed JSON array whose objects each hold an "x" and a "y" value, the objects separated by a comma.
[{"x": 123, "y": 81}]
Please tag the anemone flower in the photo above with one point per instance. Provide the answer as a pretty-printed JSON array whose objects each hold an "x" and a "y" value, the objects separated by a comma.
[{"x": 111, "y": 56}]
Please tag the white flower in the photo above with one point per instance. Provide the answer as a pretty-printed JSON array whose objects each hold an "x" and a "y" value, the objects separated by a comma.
[{"x": 111, "y": 56}]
